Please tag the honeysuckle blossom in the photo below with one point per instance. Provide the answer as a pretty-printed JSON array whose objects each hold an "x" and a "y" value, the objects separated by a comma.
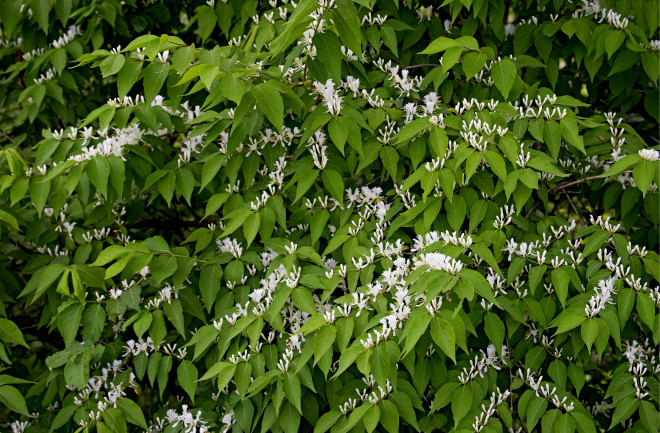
[{"x": 649, "y": 154}]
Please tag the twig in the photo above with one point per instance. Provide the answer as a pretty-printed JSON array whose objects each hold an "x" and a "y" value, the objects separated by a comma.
[
  {"x": 8, "y": 138},
  {"x": 575, "y": 182},
  {"x": 530, "y": 211},
  {"x": 391, "y": 56},
  {"x": 573, "y": 206},
  {"x": 421, "y": 65}
]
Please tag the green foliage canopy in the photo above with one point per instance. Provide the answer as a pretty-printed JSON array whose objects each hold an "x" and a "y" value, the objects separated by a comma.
[{"x": 329, "y": 216}]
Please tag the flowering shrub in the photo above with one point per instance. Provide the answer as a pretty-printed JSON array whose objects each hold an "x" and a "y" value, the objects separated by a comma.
[{"x": 332, "y": 215}]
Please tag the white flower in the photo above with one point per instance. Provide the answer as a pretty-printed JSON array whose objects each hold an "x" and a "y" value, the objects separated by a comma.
[
  {"x": 353, "y": 84},
  {"x": 330, "y": 96},
  {"x": 291, "y": 249},
  {"x": 649, "y": 154},
  {"x": 144, "y": 272},
  {"x": 601, "y": 297}
]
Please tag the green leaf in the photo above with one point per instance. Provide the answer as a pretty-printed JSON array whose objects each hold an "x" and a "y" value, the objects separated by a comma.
[
  {"x": 542, "y": 164},
  {"x": 443, "y": 395},
  {"x": 390, "y": 158},
  {"x": 93, "y": 322},
  {"x": 10, "y": 333},
  {"x": 404, "y": 405},
  {"x": 289, "y": 418},
  {"x": 496, "y": 162},
  {"x": 98, "y": 170},
  {"x": 624, "y": 410},
  {"x": 39, "y": 190},
  {"x": 162, "y": 267},
  {"x": 153, "y": 79},
  {"x": 214, "y": 203},
  {"x": 389, "y": 416},
  {"x": 164, "y": 367},
  {"x": 473, "y": 63},
  {"x": 63, "y": 285},
  {"x": 625, "y": 304},
  {"x": 414, "y": 330},
  {"x": 380, "y": 364},
  {"x": 552, "y": 136},
  {"x": 371, "y": 419},
  {"x": 209, "y": 284},
  {"x": 292, "y": 390},
  {"x": 356, "y": 416},
  {"x": 650, "y": 65},
  {"x": 461, "y": 402},
  {"x": 569, "y": 322},
  {"x": 456, "y": 212},
  {"x": 326, "y": 421},
  {"x": 305, "y": 183},
  {"x": 621, "y": 165},
  {"x": 334, "y": 182},
  {"x": 338, "y": 133},
  {"x": 40, "y": 9},
  {"x": 411, "y": 130},
  {"x": 494, "y": 330},
  {"x": 303, "y": 300},
  {"x": 646, "y": 309},
  {"x": 207, "y": 20},
  {"x": 388, "y": 34},
  {"x": 174, "y": 314},
  {"x": 269, "y": 100},
  {"x": 477, "y": 214},
  {"x": 13, "y": 399},
  {"x": 224, "y": 371},
  {"x": 648, "y": 412},
  {"x": 477, "y": 280},
  {"x": 232, "y": 87},
  {"x": 63, "y": 416},
  {"x": 444, "y": 336},
  {"x": 595, "y": 242},
  {"x": 451, "y": 56},
  {"x": 447, "y": 180},
  {"x": 68, "y": 322},
  {"x": 549, "y": 420},
  {"x": 157, "y": 329},
  {"x": 613, "y": 41},
  {"x": 112, "y": 64},
  {"x": 128, "y": 75},
  {"x": 589, "y": 331},
  {"x": 323, "y": 341},
  {"x": 328, "y": 50},
  {"x": 182, "y": 58},
  {"x": 208, "y": 74},
  {"x": 584, "y": 423},
  {"x": 504, "y": 75},
  {"x": 251, "y": 227},
  {"x": 295, "y": 26},
  {"x": 644, "y": 173},
  {"x": 187, "y": 375},
  {"x": 439, "y": 45},
  {"x": 348, "y": 26},
  {"x": 537, "y": 408},
  {"x": 115, "y": 420},
  {"x": 569, "y": 131},
  {"x": 132, "y": 412}
]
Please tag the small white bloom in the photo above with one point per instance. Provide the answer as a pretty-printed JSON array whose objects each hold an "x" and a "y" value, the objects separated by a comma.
[{"x": 649, "y": 154}]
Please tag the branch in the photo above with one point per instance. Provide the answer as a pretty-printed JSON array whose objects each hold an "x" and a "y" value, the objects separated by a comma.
[
  {"x": 573, "y": 206},
  {"x": 8, "y": 137},
  {"x": 421, "y": 65},
  {"x": 575, "y": 182}
]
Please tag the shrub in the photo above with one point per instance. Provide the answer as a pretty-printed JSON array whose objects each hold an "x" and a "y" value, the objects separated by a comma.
[{"x": 329, "y": 215}]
